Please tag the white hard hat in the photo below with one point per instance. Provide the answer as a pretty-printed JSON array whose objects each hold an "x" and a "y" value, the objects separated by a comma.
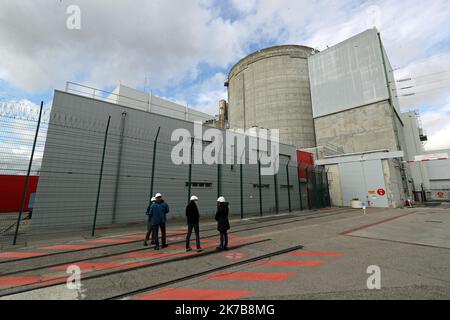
[
  {"x": 221, "y": 199},
  {"x": 194, "y": 198},
  {"x": 158, "y": 195},
  {"x": 153, "y": 199}
]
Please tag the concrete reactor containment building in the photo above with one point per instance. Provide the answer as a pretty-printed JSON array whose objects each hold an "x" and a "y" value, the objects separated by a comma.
[{"x": 271, "y": 89}]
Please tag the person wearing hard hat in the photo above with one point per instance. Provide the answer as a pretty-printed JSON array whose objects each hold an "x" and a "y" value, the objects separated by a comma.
[
  {"x": 193, "y": 219},
  {"x": 149, "y": 224},
  {"x": 158, "y": 214},
  {"x": 223, "y": 225}
]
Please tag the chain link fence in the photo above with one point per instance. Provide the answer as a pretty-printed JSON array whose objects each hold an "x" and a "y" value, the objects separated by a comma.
[{"x": 97, "y": 164}]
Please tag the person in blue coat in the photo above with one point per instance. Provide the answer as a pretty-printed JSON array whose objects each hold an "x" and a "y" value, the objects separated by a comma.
[{"x": 158, "y": 215}]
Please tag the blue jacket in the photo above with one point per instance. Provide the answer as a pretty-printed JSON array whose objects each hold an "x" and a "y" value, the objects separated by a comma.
[{"x": 158, "y": 211}]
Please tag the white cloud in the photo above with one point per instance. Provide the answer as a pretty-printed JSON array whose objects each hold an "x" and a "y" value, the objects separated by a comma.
[
  {"x": 119, "y": 41},
  {"x": 18, "y": 120}
]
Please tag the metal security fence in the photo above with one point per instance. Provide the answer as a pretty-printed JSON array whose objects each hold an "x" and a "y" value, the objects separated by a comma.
[{"x": 98, "y": 165}]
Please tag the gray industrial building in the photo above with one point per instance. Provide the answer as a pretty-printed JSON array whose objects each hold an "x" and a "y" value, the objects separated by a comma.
[{"x": 339, "y": 104}]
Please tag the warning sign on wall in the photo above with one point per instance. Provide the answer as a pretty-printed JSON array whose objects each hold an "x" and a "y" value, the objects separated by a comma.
[{"x": 381, "y": 192}]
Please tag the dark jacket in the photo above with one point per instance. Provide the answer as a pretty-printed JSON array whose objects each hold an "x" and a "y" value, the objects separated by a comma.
[
  {"x": 148, "y": 211},
  {"x": 222, "y": 217},
  {"x": 158, "y": 211},
  {"x": 192, "y": 214}
]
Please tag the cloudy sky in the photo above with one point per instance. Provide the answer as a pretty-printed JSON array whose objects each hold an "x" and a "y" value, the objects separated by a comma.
[{"x": 183, "y": 49}]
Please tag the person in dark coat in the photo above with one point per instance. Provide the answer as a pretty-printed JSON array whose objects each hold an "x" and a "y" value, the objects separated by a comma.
[
  {"x": 149, "y": 224},
  {"x": 193, "y": 219},
  {"x": 158, "y": 216},
  {"x": 223, "y": 225}
]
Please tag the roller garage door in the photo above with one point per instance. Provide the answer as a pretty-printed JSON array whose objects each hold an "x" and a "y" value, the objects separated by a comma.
[{"x": 361, "y": 178}]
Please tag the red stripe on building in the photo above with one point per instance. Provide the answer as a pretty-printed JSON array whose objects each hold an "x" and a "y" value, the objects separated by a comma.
[
  {"x": 21, "y": 255},
  {"x": 135, "y": 236},
  {"x": 111, "y": 241},
  {"x": 195, "y": 294},
  {"x": 315, "y": 254},
  {"x": 292, "y": 263},
  {"x": 11, "y": 191},
  {"x": 252, "y": 276},
  {"x": 91, "y": 265},
  {"x": 372, "y": 224}
]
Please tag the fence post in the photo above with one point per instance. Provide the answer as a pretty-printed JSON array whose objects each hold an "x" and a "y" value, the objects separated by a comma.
[
  {"x": 307, "y": 188},
  {"x": 119, "y": 162},
  {"x": 25, "y": 188},
  {"x": 242, "y": 191},
  {"x": 299, "y": 187},
  {"x": 260, "y": 188},
  {"x": 155, "y": 143},
  {"x": 288, "y": 185},
  {"x": 101, "y": 175},
  {"x": 190, "y": 170},
  {"x": 275, "y": 181},
  {"x": 219, "y": 180}
]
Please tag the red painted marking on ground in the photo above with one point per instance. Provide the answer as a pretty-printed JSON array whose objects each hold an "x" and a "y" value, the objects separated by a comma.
[
  {"x": 252, "y": 276},
  {"x": 177, "y": 231},
  {"x": 68, "y": 247},
  {"x": 111, "y": 241},
  {"x": 195, "y": 294},
  {"x": 21, "y": 255},
  {"x": 234, "y": 255},
  {"x": 135, "y": 236},
  {"x": 91, "y": 265},
  {"x": 315, "y": 254},
  {"x": 173, "y": 247},
  {"x": 291, "y": 263},
  {"x": 372, "y": 224},
  {"x": 18, "y": 281}
]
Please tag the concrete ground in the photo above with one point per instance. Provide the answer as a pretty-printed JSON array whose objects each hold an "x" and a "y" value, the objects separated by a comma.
[{"x": 325, "y": 254}]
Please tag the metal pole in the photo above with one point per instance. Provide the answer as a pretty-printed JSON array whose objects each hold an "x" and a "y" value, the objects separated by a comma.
[
  {"x": 242, "y": 192},
  {"x": 155, "y": 142},
  {"x": 315, "y": 189},
  {"x": 275, "y": 181},
  {"x": 190, "y": 171},
  {"x": 219, "y": 180},
  {"x": 260, "y": 188},
  {"x": 101, "y": 175},
  {"x": 119, "y": 162},
  {"x": 299, "y": 187},
  {"x": 288, "y": 185},
  {"x": 25, "y": 188}
]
